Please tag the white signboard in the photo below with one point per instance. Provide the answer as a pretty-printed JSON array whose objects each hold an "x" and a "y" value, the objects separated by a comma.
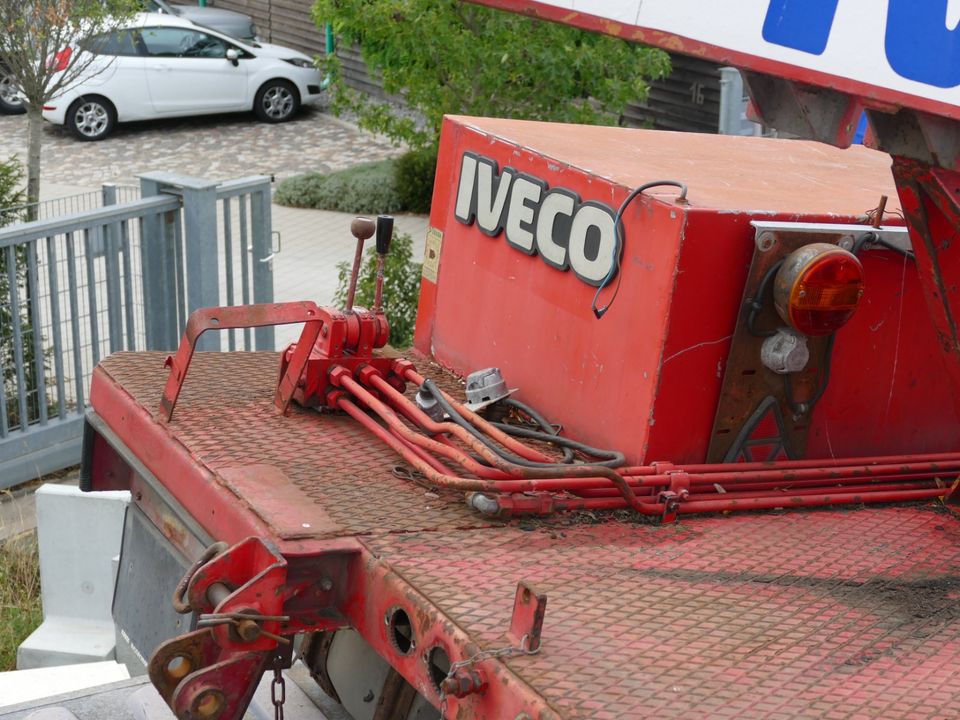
[{"x": 890, "y": 50}]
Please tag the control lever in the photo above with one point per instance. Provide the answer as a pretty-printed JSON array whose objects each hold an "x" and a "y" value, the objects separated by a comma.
[
  {"x": 384, "y": 238},
  {"x": 362, "y": 228}
]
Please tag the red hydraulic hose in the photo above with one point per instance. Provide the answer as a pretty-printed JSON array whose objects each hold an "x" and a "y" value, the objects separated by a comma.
[
  {"x": 524, "y": 451},
  {"x": 344, "y": 380},
  {"x": 784, "y": 471},
  {"x": 401, "y": 403},
  {"x": 747, "y": 485}
]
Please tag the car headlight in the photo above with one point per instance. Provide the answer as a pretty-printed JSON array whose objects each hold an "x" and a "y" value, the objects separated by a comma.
[{"x": 299, "y": 62}]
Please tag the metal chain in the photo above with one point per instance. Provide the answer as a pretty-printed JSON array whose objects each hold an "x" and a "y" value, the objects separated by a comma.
[
  {"x": 278, "y": 699},
  {"x": 478, "y": 658}
]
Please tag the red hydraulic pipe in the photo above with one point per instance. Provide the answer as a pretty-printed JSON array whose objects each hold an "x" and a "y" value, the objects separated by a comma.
[
  {"x": 886, "y": 487},
  {"x": 810, "y": 500},
  {"x": 759, "y": 503},
  {"x": 790, "y": 486},
  {"x": 435, "y": 477},
  {"x": 524, "y": 451},
  {"x": 638, "y": 470},
  {"x": 415, "y": 415},
  {"x": 341, "y": 377},
  {"x": 835, "y": 473}
]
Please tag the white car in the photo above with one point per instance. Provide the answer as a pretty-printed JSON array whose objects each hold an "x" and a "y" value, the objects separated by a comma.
[{"x": 160, "y": 66}]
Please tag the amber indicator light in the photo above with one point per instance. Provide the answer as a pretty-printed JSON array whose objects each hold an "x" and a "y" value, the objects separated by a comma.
[{"x": 818, "y": 288}]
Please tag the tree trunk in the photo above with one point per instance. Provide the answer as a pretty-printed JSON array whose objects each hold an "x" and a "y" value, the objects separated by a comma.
[{"x": 34, "y": 138}]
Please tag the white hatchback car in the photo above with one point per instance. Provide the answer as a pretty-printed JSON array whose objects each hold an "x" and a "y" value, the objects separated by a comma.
[{"x": 160, "y": 66}]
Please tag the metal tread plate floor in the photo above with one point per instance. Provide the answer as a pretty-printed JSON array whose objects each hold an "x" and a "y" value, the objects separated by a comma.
[
  {"x": 306, "y": 474},
  {"x": 821, "y": 614}
]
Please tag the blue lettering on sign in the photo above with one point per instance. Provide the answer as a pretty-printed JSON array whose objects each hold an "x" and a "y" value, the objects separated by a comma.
[
  {"x": 800, "y": 24},
  {"x": 918, "y": 44}
]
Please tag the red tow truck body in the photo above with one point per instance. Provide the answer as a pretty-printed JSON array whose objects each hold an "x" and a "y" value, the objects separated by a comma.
[{"x": 593, "y": 589}]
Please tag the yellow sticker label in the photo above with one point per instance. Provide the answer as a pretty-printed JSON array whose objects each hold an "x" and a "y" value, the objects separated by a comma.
[{"x": 431, "y": 254}]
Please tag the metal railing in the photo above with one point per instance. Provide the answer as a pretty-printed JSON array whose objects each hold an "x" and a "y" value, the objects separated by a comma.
[
  {"x": 76, "y": 288},
  {"x": 109, "y": 194}
]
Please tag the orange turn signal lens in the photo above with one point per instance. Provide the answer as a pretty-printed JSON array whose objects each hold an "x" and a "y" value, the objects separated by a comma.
[{"x": 818, "y": 288}]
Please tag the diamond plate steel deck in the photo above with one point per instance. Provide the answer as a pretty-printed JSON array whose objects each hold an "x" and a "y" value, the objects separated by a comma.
[
  {"x": 340, "y": 480},
  {"x": 803, "y": 615},
  {"x": 821, "y": 614}
]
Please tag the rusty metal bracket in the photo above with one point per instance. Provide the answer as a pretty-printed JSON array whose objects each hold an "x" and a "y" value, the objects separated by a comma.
[
  {"x": 199, "y": 683},
  {"x": 228, "y": 318},
  {"x": 526, "y": 623},
  {"x": 212, "y": 672}
]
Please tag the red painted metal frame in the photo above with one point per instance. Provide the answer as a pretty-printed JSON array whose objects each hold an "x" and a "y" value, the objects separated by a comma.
[
  {"x": 335, "y": 583},
  {"x": 930, "y": 197},
  {"x": 244, "y": 316}
]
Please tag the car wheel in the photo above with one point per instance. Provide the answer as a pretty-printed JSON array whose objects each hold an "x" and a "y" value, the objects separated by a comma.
[
  {"x": 91, "y": 118},
  {"x": 276, "y": 101},
  {"x": 10, "y": 102}
]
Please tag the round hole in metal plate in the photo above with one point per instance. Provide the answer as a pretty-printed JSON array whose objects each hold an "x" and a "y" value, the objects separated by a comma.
[
  {"x": 178, "y": 667},
  {"x": 438, "y": 665},
  {"x": 401, "y": 630}
]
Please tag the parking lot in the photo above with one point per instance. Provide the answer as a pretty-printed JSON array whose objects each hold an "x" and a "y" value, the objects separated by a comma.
[{"x": 217, "y": 147}]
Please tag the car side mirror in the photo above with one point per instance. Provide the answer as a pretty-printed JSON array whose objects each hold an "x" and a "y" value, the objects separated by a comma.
[{"x": 233, "y": 56}]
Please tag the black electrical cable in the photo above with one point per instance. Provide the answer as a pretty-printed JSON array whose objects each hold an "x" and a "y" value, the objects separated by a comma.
[
  {"x": 807, "y": 406},
  {"x": 874, "y": 239},
  {"x": 756, "y": 303},
  {"x": 599, "y": 312},
  {"x": 614, "y": 458},
  {"x": 539, "y": 419}
]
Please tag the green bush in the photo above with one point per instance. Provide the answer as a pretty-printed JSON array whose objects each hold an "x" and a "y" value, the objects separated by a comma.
[
  {"x": 401, "y": 287},
  {"x": 388, "y": 186},
  {"x": 414, "y": 175},
  {"x": 367, "y": 188}
]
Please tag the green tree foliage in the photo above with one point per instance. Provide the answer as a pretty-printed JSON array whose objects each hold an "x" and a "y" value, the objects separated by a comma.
[
  {"x": 33, "y": 37},
  {"x": 446, "y": 56},
  {"x": 401, "y": 287},
  {"x": 11, "y": 199}
]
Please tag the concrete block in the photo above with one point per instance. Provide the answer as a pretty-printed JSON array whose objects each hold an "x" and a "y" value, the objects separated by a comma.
[
  {"x": 79, "y": 534},
  {"x": 20, "y": 686}
]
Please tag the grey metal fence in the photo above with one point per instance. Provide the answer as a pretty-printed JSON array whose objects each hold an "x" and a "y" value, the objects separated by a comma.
[
  {"x": 69, "y": 204},
  {"x": 124, "y": 276}
]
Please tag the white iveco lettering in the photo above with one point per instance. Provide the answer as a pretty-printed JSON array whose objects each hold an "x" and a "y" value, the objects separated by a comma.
[{"x": 552, "y": 223}]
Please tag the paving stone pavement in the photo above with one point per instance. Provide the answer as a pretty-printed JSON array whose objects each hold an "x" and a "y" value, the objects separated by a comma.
[{"x": 218, "y": 147}]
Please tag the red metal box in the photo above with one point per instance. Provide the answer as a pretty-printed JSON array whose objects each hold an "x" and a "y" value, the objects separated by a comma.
[{"x": 520, "y": 238}]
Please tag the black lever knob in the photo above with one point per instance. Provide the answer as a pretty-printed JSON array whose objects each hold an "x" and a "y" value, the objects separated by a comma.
[{"x": 384, "y": 233}]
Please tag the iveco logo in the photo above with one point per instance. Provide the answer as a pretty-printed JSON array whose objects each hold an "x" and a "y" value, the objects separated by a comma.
[{"x": 550, "y": 222}]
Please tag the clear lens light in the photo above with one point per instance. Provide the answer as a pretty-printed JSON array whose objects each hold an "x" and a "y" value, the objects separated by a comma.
[{"x": 300, "y": 62}]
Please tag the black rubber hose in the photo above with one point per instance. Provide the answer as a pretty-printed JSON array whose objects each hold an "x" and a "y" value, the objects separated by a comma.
[
  {"x": 539, "y": 419},
  {"x": 614, "y": 458}
]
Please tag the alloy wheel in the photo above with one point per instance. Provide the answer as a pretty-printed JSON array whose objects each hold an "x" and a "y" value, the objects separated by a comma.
[
  {"x": 277, "y": 102},
  {"x": 8, "y": 91},
  {"x": 91, "y": 119}
]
